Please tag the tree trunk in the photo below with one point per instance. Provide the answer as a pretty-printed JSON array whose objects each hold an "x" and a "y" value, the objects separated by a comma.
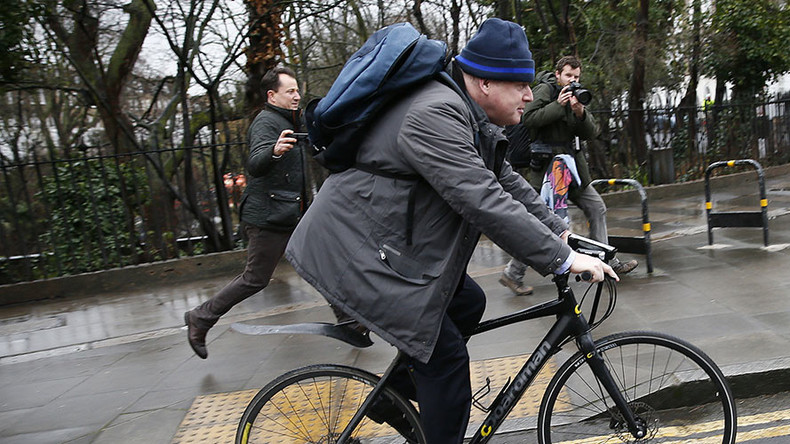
[
  {"x": 226, "y": 235},
  {"x": 714, "y": 134},
  {"x": 455, "y": 15},
  {"x": 264, "y": 51},
  {"x": 504, "y": 9},
  {"x": 545, "y": 24},
  {"x": 742, "y": 143},
  {"x": 416, "y": 10},
  {"x": 688, "y": 106},
  {"x": 636, "y": 95},
  {"x": 562, "y": 21},
  {"x": 104, "y": 86}
]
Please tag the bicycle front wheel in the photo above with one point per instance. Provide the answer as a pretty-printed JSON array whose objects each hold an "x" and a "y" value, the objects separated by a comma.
[
  {"x": 315, "y": 403},
  {"x": 676, "y": 390}
]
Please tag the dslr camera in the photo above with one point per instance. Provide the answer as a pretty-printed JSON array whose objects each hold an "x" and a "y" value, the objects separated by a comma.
[{"x": 584, "y": 96}]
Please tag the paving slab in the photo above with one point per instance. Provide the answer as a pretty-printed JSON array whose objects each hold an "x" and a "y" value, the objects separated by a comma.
[{"x": 115, "y": 366}]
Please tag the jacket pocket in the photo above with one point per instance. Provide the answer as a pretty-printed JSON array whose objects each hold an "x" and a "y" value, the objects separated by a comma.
[
  {"x": 404, "y": 265},
  {"x": 285, "y": 208}
]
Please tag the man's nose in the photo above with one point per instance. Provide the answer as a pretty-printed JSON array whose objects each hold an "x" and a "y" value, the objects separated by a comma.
[{"x": 528, "y": 95}]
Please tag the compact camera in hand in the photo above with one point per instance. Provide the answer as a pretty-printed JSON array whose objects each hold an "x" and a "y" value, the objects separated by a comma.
[
  {"x": 300, "y": 137},
  {"x": 584, "y": 96}
]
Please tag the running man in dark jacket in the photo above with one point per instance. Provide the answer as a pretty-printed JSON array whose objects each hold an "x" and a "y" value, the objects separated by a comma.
[{"x": 272, "y": 204}]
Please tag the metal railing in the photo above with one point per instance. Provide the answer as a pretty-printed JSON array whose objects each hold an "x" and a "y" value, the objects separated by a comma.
[
  {"x": 682, "y": 142},
  {"x": 90, "y": 210},
  {"x": 633, "y": 244},
  {"x": 723, "y": 219},
  {"x": 94, "y": 211}
]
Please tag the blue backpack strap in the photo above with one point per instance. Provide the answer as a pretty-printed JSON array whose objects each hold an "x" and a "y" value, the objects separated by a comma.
[
  {"x": 391, "y": 60},
  {"x": 444, "y": 77}
]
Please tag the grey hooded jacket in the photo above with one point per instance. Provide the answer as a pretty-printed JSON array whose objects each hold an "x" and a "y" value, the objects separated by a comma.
[{"x": 353, "y": 244}]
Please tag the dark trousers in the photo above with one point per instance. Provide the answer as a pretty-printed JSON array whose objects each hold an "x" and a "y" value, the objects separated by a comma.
[
  {"x": 264, "y": 250},
  {"x": 443, "y": 388}
]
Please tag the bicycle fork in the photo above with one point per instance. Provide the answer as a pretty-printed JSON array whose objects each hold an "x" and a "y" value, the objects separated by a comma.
[{"x": 636, "y": 426}]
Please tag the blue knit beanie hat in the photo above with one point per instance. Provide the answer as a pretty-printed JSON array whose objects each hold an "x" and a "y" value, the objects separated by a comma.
[{"x": 499, "y": 51}]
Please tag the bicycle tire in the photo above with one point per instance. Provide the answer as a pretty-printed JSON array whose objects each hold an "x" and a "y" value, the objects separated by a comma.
[
  {"x": 313, "y": 404},
  {"x": 673, "y": 386}
]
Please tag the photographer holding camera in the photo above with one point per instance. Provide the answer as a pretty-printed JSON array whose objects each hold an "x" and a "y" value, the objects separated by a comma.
[
  {"x": 272, "y": 204},
  {"x": 554, "y": 119}
]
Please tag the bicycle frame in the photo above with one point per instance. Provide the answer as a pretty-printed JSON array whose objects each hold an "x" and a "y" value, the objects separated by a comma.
[{"x": 570, "y": 323}]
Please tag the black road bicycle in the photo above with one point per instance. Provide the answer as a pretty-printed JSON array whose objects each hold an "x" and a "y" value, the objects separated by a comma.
[{"x": 631, "y": 387}]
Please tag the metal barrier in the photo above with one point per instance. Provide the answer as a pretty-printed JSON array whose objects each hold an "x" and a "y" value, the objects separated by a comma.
[
  {"x": 737, "y": 218},
  {"x": 633, "y": 244}
]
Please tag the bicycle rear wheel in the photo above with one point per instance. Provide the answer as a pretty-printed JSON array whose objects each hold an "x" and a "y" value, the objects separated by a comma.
[
  {"x": 677, "y": 390},
  {"x": 313, "y": 405}
]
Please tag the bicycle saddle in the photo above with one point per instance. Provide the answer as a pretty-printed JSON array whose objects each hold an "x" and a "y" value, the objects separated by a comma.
[{"x": 337, "y": 331}]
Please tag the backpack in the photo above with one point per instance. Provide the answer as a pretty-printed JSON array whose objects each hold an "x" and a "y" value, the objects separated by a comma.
[
  {"x": 393, "y": 59},
  {"x": 519, "y": 151},
  {"x": 518, "y": 148}
]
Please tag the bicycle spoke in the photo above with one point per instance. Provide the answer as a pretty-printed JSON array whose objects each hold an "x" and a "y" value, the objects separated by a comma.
[
  {"x": 315, "y": 404},
  {"x": 675, "y": 391}
]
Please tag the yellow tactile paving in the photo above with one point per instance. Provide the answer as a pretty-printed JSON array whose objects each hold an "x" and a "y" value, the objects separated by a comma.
[
  {"x": 214, "y": 418},
  {"x": 499, "y": 370}
]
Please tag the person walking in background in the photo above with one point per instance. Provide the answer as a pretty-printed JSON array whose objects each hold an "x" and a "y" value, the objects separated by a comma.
[
  {"x": 555, "y": 118},
  {"x": 272, "y": 203}
]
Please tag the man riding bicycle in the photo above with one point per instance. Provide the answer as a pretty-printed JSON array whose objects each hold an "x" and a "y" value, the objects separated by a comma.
[{"x": 388, "y": 242}]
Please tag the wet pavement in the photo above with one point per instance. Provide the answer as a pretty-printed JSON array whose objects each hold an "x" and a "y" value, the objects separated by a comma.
[{"x": 115, "y": 367}]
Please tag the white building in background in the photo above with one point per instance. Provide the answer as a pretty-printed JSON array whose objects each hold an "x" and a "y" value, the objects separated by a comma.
[
  {"x": 662, "y": 122},
  {"x": 707, "y": 88},
  {"x": 665, "y": 98},
  {"x": 782, "y": 85}
]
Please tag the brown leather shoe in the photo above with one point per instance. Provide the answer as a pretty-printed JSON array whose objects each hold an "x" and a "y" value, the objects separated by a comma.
[
  {"x": 516, "y": 287},
  {"x": 196, "y": 336},
  {"x": 624, "y": 267}
]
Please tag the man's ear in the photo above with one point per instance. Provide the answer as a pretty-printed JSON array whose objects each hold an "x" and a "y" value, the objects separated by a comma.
[{"x": 484, "y": 85}]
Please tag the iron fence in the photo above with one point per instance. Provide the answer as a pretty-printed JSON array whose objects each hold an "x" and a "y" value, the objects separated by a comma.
[
  {"x": 88, "y": 210},
  {"x": 682, "y": 142}
]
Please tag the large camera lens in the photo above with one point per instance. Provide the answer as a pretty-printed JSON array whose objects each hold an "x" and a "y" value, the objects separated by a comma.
[{"x": 584, "y": 96}]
